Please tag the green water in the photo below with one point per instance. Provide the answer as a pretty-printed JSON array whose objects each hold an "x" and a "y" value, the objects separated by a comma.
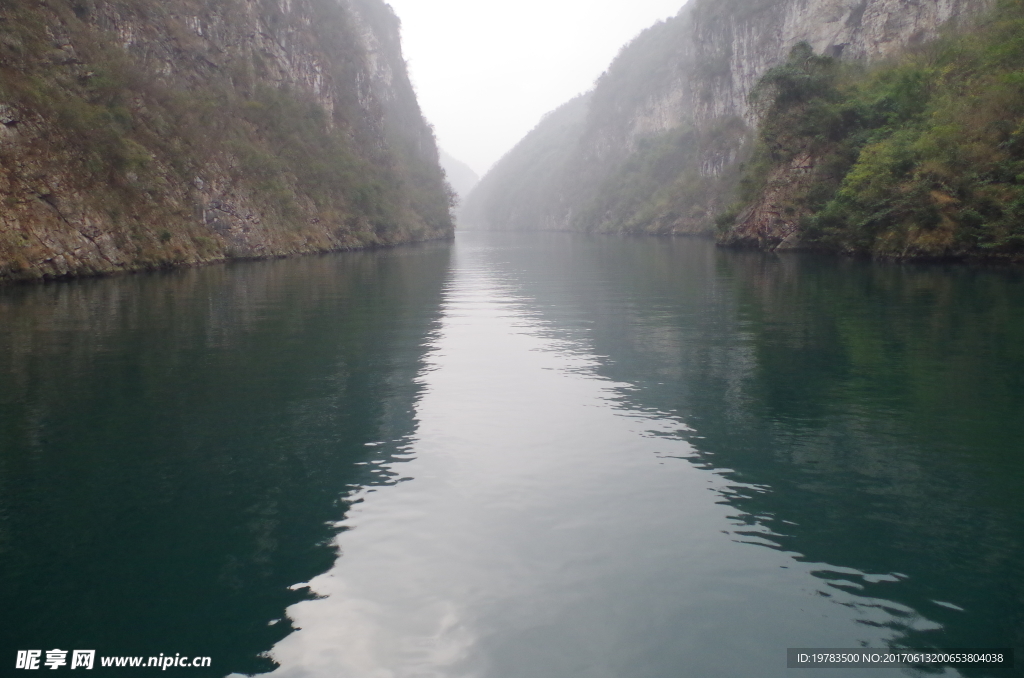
[{"x": 533, "y": 456}]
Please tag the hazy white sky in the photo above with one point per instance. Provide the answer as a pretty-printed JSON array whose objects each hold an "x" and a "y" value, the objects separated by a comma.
[{"x": 487, "y": 70}]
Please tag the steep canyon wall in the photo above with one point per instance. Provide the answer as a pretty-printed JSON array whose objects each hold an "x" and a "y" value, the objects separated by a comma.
[
  {"x": 658, "y": 145},
  {"x": 149, "y": 133}
]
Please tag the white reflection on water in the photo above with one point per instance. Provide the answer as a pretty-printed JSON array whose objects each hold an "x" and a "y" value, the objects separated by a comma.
[{"x": 547, "y": 532}]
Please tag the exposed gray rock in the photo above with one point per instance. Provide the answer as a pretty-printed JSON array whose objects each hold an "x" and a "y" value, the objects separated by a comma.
[{"x": 57, "y": 219}]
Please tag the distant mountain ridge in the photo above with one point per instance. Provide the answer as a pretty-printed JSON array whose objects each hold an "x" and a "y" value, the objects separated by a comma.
[
  {"x": 460, "y": 175},
  {"x": 527, "y": 188}
]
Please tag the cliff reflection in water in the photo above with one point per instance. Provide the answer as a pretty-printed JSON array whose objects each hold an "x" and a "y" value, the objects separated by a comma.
[
  {"x": 867, "y": 415},
  {"x": 893, "y": 400},
  {"x": 174, "y": 448}
]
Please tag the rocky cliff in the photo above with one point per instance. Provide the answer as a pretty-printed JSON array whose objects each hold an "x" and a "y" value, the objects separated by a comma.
[
  {"x": 147, "y": 133},
  {"x": 919, "y": 156},
  {"x": 667, "y": 127}
]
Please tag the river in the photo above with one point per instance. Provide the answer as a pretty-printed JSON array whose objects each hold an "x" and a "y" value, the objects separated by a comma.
[{"x": 534, "y": 456}]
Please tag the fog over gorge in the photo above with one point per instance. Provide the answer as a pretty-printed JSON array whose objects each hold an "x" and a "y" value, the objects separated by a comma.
[{"x": 486, "y": 72}]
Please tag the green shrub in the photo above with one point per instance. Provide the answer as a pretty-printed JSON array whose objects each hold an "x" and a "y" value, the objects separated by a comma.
[{"x": 932, "y": 143}]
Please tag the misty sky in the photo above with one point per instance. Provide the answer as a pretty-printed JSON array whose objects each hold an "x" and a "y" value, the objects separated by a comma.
[{"x": 487, "y": 70}]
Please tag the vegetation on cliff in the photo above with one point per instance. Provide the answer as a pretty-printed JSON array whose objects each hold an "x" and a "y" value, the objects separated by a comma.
[
  {"x": 921, "y": 156},
  {"x": 661, "y": 187},
  {"x": 141, "y": 134}
]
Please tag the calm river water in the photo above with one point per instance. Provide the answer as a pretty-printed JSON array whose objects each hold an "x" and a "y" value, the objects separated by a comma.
[{"x": 514, "y": 456}]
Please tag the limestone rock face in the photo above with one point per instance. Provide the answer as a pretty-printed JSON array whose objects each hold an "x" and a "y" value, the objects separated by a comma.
[
  {"x": 152, "y": 133},
  {"x": 745, "y": 39},
  {"x": 676, "y": 101}
]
